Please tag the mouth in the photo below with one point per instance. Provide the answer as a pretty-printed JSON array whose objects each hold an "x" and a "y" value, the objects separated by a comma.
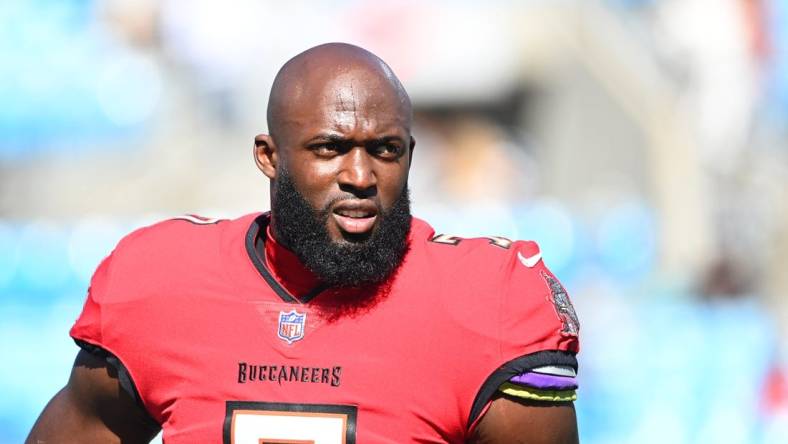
[{"x": 355, "y": 217}]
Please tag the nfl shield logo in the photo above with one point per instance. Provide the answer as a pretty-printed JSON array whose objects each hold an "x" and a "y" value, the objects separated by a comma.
[{"x": 291, "y": 326}]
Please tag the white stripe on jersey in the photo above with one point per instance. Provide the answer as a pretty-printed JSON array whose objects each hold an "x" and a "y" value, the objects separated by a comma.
[{"x": 556, "y": 370}]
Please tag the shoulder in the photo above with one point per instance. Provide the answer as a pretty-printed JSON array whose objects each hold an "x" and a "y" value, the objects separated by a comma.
[
  {"x": 165, "y": 252},
  {"x": 179, "y": 236},
  {"x": 510, "y": 276},
  {"x": 493, "y": 256},
  {"x": 171, "y": 233}
]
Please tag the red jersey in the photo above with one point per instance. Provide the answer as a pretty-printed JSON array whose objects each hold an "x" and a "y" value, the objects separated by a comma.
[{"x": 219, "y": 351}]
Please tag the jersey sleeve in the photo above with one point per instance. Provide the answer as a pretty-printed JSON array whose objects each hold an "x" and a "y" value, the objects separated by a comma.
[
  {"x": 139, "y": 265},
  {"x": 539, "y": 333},
  {"x": 536, "y": 311},
  {"x": 90, "y": 332},
  {"x": 88, "y": 326}
]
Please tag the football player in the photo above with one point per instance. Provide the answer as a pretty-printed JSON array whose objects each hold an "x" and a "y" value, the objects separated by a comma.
[{"x": 334, "y": 318}]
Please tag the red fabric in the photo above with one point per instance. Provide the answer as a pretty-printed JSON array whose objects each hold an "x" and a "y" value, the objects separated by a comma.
[
  {"x": 287, "y": 269},
  {"x": 183, "y": 307}
]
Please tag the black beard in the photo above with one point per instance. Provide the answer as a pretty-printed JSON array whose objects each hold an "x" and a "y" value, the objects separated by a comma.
[{"x": 368, "y": 260}]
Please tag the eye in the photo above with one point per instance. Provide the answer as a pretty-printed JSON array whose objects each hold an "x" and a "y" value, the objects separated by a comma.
[
  {"x": 388, "y": 151},
  {"x": 326, "y": 149}
]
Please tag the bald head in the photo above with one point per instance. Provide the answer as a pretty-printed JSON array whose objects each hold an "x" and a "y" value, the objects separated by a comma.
[{"x": 345, "y": 74}]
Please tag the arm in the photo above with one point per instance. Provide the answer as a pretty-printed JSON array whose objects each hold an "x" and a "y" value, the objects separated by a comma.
[
  {"x": 532, "y": 403},
  {"x": 92, "y": 408},
  {"x": 513, "y": 420}
]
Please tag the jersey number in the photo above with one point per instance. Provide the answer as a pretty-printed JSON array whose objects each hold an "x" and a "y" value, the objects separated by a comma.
[
  {"x": 283, "y": 423},
  {"x": 198, "y": 220},
  {"x": 498, "y": 241}
]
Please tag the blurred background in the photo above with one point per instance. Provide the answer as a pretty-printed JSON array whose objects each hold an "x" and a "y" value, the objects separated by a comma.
[{"x": 642, "y": 143}]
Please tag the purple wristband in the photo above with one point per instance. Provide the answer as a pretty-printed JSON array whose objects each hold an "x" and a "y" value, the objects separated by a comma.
[{"x": 545, "y": 382}]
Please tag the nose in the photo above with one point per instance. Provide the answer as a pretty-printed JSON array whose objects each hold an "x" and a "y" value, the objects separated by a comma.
[{"x": 357, "y": 173}]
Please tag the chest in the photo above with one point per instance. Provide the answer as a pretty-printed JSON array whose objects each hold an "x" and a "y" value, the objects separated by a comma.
[{"x": 269, "y": 371}]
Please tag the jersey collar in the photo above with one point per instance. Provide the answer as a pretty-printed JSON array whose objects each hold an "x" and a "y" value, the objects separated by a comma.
[{"x": 280, "y": 267}]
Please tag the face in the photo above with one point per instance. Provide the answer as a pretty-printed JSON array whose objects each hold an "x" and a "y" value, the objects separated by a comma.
[
  {"x": 346, "y": 145},
  {"x": 339, "y": 167}
]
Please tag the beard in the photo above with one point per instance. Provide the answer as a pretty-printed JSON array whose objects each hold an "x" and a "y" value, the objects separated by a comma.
[{"x": 368, "y": 260}]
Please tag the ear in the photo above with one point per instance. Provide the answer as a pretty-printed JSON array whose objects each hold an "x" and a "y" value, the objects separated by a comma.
[
  {"x": 266, "y": 155},
  {"x": 410, "y": 152}
]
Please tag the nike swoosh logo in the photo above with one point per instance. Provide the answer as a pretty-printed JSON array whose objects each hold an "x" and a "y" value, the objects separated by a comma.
[{"x": 530, "y": 261}]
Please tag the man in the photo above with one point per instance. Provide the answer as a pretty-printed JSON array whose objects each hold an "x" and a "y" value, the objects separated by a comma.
[{"x": 334, "y": 318}]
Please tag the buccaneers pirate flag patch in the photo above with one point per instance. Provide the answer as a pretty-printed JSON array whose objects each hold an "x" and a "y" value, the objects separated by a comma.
[{"x": 563, "y": 306}]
